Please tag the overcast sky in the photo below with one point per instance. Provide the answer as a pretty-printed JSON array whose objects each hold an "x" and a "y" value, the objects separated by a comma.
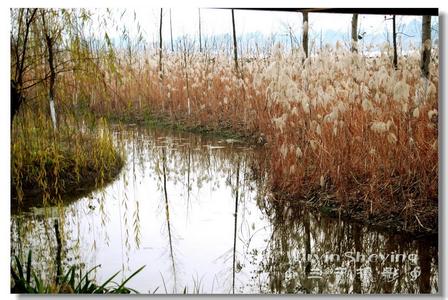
[{"x": 218, "y": 21}]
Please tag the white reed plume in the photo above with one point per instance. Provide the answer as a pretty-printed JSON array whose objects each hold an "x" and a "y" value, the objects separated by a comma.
[
  {"x": 432, "y": 113},
  {"x": 416, "y": 113},
  {"x": 284, "y": 150},
  {"x": 299, "y": 152},
  {"x": 380, "y": 127},
  {"x": 401, "y": 91},
  {"x": 280, "y": 122},
  {"x": 392, "y": 138}
]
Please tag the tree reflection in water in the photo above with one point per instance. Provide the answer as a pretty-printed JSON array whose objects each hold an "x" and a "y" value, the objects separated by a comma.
[
  {"x": 298, "y": 231},
  {"x": 198, "y": 213}
]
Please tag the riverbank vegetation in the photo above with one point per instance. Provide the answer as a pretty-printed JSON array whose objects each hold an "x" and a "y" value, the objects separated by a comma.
[
  {"x": 49, "y": 167},
  {"x": 342, "y": 128},
  {"x": 57, "y": 152}
]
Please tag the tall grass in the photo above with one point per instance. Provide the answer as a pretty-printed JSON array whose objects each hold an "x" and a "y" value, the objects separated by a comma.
[{"x": 338, "y": 123}]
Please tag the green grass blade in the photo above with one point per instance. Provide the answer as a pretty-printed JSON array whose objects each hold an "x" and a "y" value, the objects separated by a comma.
[
  {"x": 69, "y": 277},
  {"x": 14, "y": 275},
  {"x": 84, "y": 277},
  {"x": 102, "y": 287},
  {"x": 72, "y": 278},
  {"x": 85, "y": 288},
  {"x": 19, "y": 267},
  {"x": 38, "y": 283},
  {"x": 134, "y": 291},
  {"x": 129, "y": 278},
  {"x": 28, "y": 269}
]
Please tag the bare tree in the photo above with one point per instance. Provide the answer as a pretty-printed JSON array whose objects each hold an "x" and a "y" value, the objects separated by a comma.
[
  {"x": 50, "y": 44},
  {"x": 394, "y": 39},
  {"x": 235, "y": 48},
  {"x": 305, "y": 33},
  {"x": 426, "y": 46},
  {"x": 354, "y": 47},
  {"x": 18, "y": 55},
  {"x": 160, "y": 43}
]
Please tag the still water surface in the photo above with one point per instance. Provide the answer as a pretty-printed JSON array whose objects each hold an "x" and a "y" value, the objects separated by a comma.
[{"x": 197, "y": 213}]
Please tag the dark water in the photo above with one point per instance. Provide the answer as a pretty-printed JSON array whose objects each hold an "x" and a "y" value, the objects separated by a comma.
[{"x": 197, "y": 213}]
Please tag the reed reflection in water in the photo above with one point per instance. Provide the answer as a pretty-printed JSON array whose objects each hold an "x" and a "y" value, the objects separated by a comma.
[{"x": 198, "y": 214}]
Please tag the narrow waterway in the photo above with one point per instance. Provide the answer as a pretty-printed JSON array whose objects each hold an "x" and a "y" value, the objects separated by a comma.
[{"x": 197, "y": 213}]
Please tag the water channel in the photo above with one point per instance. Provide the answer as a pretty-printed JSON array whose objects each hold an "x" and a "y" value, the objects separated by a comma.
[{"x": 198, "y": 214}]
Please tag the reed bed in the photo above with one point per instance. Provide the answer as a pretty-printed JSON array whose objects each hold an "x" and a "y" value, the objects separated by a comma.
[{"x": 339, "y": 124}]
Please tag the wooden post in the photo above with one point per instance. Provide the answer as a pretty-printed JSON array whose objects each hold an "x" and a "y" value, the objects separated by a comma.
[
  {"x": 394, "y": 38},
  {"x": 354, "y": 47},
  {"x": 426, "y": 46},
  {"x": 305, "y": 33}
]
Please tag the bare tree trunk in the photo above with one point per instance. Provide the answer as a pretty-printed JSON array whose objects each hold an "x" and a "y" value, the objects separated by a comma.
[
  {"x": 16, "y": 100},
  {"x": 394, "y": 37},
  {"x": 354, "y": 47},
  {"x": 426, "y": 46},
  {"x": 305, "y": 33},
  {"x": 235, "y": 49},
  {"x": 49, "y": 42},
  {"x": 160, "y": 43},
  {"x": 200, "y": 33},
  {"x": 16, "y": 83},
  {"x": 171, "y": 33}
]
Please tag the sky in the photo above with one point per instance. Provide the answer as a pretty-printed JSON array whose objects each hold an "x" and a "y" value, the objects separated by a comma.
[
  {"x": 218, "y": 21},
  {"x": 334, "y": 27}
]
